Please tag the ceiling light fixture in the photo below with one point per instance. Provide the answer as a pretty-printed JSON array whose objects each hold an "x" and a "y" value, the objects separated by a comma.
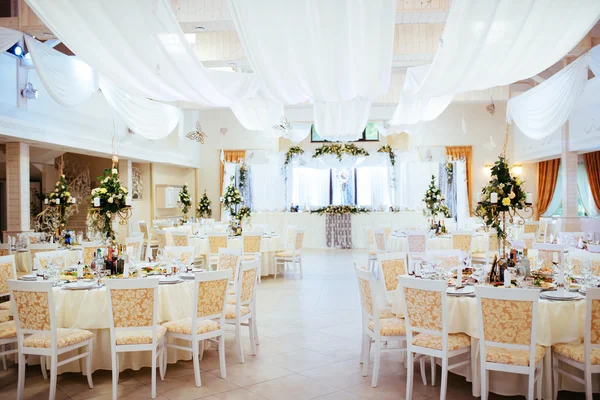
[
  {"x": 29, "y": 92},
  {"x": 16, "y": 50},
  {"x": 200, "y": 28},
  {"x": 47, "y": 34}
]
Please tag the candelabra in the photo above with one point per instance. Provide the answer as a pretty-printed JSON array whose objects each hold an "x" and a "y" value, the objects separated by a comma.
[{"x": 509, "y": 215}]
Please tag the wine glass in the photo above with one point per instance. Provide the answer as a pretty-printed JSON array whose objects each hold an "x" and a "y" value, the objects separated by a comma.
[
  {"x": 520, "y": 274},
  {"x": 160, "y": 255}
]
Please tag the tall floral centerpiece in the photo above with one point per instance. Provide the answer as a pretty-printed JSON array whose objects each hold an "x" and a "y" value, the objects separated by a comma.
[
  {"x": 109, "y": 200},
  {"x": 204, "y": 207},
  {"x": 230, "y": 201},
  {"x": 185, "y": 202},
  {"x": 435, "y": 202},
  {"x": 61, "y": 199}
]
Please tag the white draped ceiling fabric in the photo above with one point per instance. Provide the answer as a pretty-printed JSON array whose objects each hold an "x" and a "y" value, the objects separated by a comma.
[
  {"x": 8, "y": 37},
  {"x": 335, "y": 54},
  {"x": 145, "y": 53},
  {"x": 494, "y": 43},
  {"x": 542, "y": 110}
]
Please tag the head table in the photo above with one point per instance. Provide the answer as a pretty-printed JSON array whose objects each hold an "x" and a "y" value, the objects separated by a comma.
[{"x": 558, "y": 322}]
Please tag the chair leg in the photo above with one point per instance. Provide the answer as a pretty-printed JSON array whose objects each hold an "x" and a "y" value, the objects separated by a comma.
[
  {"x": 222, "y": 356},
  {"x": 587, "y": 376},
  {"x": 153, "y": 372},
  {"x": 88, "y": 364},
  {"x": 201, "y": 353},
  {"x": 423, "y": 373},
  {"x": 531, "y": 385},
  {"x": 238, "y": 338},
  {"x": 483, "y": 378},
  {"x": 433, "y": 370},
  {"x": 115, "y": 373},
  {"x": 409, "y": 375},
  {"x": 251, "y": 334},
  {"x": 21, "y": 378},
  {"x": 254, "y": 324},
  {"x": 300, "y": 264},
  {"x": 366, "y": 356},
  {"x": 53, "y": 375},
  {"x": 362, "y": 348},
  {"x": 539, "y": 382},
  {"x": 376, "y": 362},
  {"x": 161, "y": 360},
  {"x": 196, "y": 364},
  {"x": 43, "y": 367},
  {"x": 444, "y": 378},
  {"x": 4, "y": 362}
]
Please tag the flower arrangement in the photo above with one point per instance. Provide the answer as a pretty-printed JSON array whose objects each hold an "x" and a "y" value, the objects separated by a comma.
[
  {"x": 185, "y": 201},
  {"x": 292, "y": 153},
  {"x": 107, "y": 200},
  {"x": 339, "y": 150},
  {"x": 339, "y": 210},
  {"x": 231, "y": 198},
  {"x": 61, "y": 198},
  {"x": 388, "y": 149},
  {"x": 449, "y": 171},
  {"x": 204, "y": 210},
  {"x": 244, "y": 212},
  {"x": 243, "y": 172},
  {"x": 510, "y": 196},
  {"x": 434, "y": 201}
]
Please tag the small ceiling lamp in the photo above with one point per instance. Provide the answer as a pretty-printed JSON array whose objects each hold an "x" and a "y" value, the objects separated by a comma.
[{"x": 29, "y": 92}]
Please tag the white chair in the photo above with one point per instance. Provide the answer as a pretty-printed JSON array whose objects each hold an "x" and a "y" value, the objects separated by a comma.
[
  {"x": 463, "y": 240},
  {"x": 380, "y": 241},
  {"x": 583, "y": 356},
  {"x": 136, "y": 244},
  {"x": 371, "y": 247},
  {"x": 58, "y": 258},
  {"x": 182, "y": 253},
  {"x": 8, "y": 336},
  {"x": 133, "y": 313},
  {"x": 417, "y": 247},
  {"x": 149, "y": 242},
  {"x": 546, "y": 254},
  {"x": 509, "y": 346},
  {"x": 290, "y": 236},
  {"x": 492, "y": 246},
  {"x": 89, "y": 249},
  {"x": 580, "y": 259},
  {"x": 5, "y": 249},
  {"x": 161, "y": 237},
  {"x": 447, "y": 259},
  {"x": 375, "y": 327},
  {"x": 293, "y": 256},
  {"x": 216, "y": 241},
  {"x": 207, "y": 320},
  {"x": 40, "y": 248},
  {"x": 252, "y": 244},
  {"x": 37, "y": 334},
  {"x": 391, "y": 266},
  {"x": 241, "y": 308},
  {"x": 426, "y": 316},
  {"x": 180, "y": 238}
]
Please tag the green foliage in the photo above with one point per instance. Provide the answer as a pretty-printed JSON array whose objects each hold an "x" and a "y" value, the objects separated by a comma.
[
  {"x": 340, "y": 210},
  {"x": 204, "y": 209},
  {"x": 435, "y": 201},
  {"x": 339, "y": 150}
]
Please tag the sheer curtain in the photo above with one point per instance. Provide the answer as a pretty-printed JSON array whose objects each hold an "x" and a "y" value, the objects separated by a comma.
[
  {"x": 585, "y": 192},
  {"x": 412, "y": 181},
  {"x": 268, "y": 188},
  {"x": 462, "y": 196},
  {"x": 343, "y": 186},
  {"x": 310, "y": 187},
  {"x": 556, "y": 197},
  {"x": 373, "y": 188}
]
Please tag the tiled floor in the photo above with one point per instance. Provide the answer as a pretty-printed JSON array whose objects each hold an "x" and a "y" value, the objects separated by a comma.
[{"x": 309, "y": 348}]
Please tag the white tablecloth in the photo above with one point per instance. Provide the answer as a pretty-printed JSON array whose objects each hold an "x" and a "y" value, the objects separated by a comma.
[
  {"x": 24, "y": 264},
  {"x": 558, "y": 322},
  {"x": 268, "y": 247},
  {"x": 314, "y": 224},
  {"x": 398, "y": 243}
]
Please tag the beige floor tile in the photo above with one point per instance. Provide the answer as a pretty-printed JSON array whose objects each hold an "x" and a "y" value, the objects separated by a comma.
[
  {"x": 238, "y": 394},
  {"x": 389, "y": 387},
  {"x": 135, "y": 393},
  {"x": 342, "y": 375},
  {"x": 253, "y": 373},
  {"x": 341, "y": 349},
  {"x": 184, "y": 388},
  {"x": 341, "y": 395},
  {"x": 302, "y": 360},
  {"x": 75, "y": 385},
  {"x": 292, "y": 387}
]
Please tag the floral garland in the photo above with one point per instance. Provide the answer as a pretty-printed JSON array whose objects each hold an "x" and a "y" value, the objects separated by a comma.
[
  {"x": 231, "y": 198},
  {"x": 204, "y": 210},
  {"x": 243, "y": 172},
  {"x": 388, "y": 149},
  {"x": 112, "y": 197},
  {"x": 292, "y": 153},
  {"x": 449, "y": 171},
  {"x": 339, "y": 150},
  {"x": 434, "y": 201},
  {"x": 244, "y": 212},
  {"x": 339, "y": 210},
  {"x": 185, "y": 201},
  {"x": 510, "y": 196},
  {"x": 61, "y": 197}
]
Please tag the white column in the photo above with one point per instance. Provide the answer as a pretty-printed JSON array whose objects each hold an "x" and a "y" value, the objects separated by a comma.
[
  {"x": 17, "y": 188},
  {"x": 569, "y": 183}
]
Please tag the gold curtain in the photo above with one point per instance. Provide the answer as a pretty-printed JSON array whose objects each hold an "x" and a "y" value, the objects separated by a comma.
[
  {"x": 230, "y": 156},
  {"x": 592, "y": 166},
  {"x": 464, "y": 153},
  {"x": 547, "y": 176}
]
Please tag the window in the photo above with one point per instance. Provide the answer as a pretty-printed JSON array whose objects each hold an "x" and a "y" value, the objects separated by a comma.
[
  {"x": 370, "y": 134},
  {"x": 373, "y": 187},
  {"x": 343, "y": 186},
  {"x": 310, "y": 187}
]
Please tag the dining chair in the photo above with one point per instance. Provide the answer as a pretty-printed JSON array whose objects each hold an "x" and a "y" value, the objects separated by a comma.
[
  {"x": 391, "y": 266},
  {"x": 241, "y": 307},
  {"x": 380, "y": 241},
  {"x": 447, "y": 259},
  {"x": 58, "y": 257},
  {"x": 542, "y": 231},
  {"x": 546, "y": 254},
  {"x": 492, "y": 246},
  {"x": 371, "y": 246},
  {"x": 529, "y": 239},
  {"x": 38, "y": 335},
  {"x": 293, "y": 256},
  {"x": 149, "y": 242},
  {"x": 136, "y": 244},
  {"x": 216, "y": 241},
  {"x": 207, "y": 321},
  {"x": 531, "y": 227},
  {"x": 426, "y": 316},
  {"x": 5, "y": 249},
  {"x": 133, "y": 314},
  {"x": 180, "y": 238},
  {"x": 417, "y": 247},
  {"x": 375, "y": 328},
  {"x": 88, "y": 250},
  {"x": 579, "y": 259},
  {"x": 161, "y": 237},
  {"x": 290, "y": 236},
  {"x": 8, "y": 270},
  {"x": 252, "y": 244},
  {"x": 462, "y": 240},
  {"x": 184, "y": 253},
  {"x": 583, "y": 356},
  {"x": 230, "y": 259},
  {"x": 507, "y": 320},
  {"x": 40, "y": 248}
]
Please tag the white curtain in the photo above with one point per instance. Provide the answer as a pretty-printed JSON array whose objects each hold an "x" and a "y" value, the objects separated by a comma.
[
  {"x": 310, "y": 187},
  {"x": 556, "y": 197},
  {"x": 498, "y": 42},
  {"x": 373, "y": 187},
  {"x": 141, "y": 48},
  {"x": 542, "y": 110},
  {"x": 462, "y": 197},
  {"x": 412, "y": 180},
  {"x": 585, "y": 191},
  {"x": 8, "y": 37},
  {"x": 336, "y": 54},
  {"x": 268, "y": 187}
]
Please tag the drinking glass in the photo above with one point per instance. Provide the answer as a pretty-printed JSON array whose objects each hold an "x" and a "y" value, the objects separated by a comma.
[
  {"x": 520, "y": 274},
  {"x": 160, "y": 255}
]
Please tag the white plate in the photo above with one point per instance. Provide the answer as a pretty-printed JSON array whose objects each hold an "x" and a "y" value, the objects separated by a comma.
[
  {"x": 169, "y": 281},
  {"x": 465, "y": 290},
  {"x": 187, "y": 275},
  {"x": 554, "y": 295},
  {"x": 79, "y": 285},
  {"x": 31, "y": 277}
]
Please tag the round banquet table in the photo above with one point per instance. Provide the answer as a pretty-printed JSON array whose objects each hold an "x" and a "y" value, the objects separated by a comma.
[
  {"x": 88, "y": 309},
  {"x": 558, "y": 322},
  {"x": 24, "y": 263},
  {"x": 399, "y": 243},
  {"x": 268, "y": 247}
]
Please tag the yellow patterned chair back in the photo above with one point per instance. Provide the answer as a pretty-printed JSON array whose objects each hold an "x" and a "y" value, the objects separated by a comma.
[
  {"x": 392, "y": 266},
  {"x": 132, "y": 302},
  {"x": 580, "y": 259},
  {"x": 252, "y": 242},
  {"x": 217, "y": 241},
  {"x": 247, "y": 281},
  {"x": 143, "y": 228},
  {"x": 290, "y": 236},
  {"x": 546, "y": 253},
  {"x": 299, "y": 239},
  {"x": 58, "y": 258},
  {"x": 493, "y": 242},
  {"x": 210, "y": 293},
  {"x": 180, "y": 238},
  {"x": 5, "y": 249},
  {"x": 388, "y": 232},
  {"x": 592, "y": 317},
  {"x": 185, "y": 254},
  {"x": 417, "y": 241},
  {"x": 161, "y": 237},
  {"x": 447, "y": 259},
  {"x": 366, "y": 290},
  {"x": 135, "y": 245},
  {"x": 530, "y": 227},
  {"x": 8, "y": 270},
  {"x": 88, "y": 250},
  {"x": 462, "y": 241},
  {"x": 380, "y": 240},
  {"x": 40, "y": 248},
  {"x": 424, "y": 304},
  {"x": 229, "y": 259},
  {"x": 529, "y": 239},
  {"x": 33, "y": 301}
]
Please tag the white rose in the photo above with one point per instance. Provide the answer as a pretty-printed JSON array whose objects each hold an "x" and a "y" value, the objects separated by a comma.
[
  {"x": 114, "y": 171},
  {"x": 512, "y": 195},
  {"x": 111, "y": 199},
  {"x": 208, "y": 207}
]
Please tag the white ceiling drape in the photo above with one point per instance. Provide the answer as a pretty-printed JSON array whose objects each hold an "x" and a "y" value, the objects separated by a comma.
[
  {"x": 8, "y": 37},
  {"x": 335, "y": 54},
  {"x": 542, "y": 110},
  {"x": 493, "y": 43}
]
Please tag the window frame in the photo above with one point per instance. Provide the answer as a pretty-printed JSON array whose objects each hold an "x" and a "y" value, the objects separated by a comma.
[{"x": 363, "y": 137}]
